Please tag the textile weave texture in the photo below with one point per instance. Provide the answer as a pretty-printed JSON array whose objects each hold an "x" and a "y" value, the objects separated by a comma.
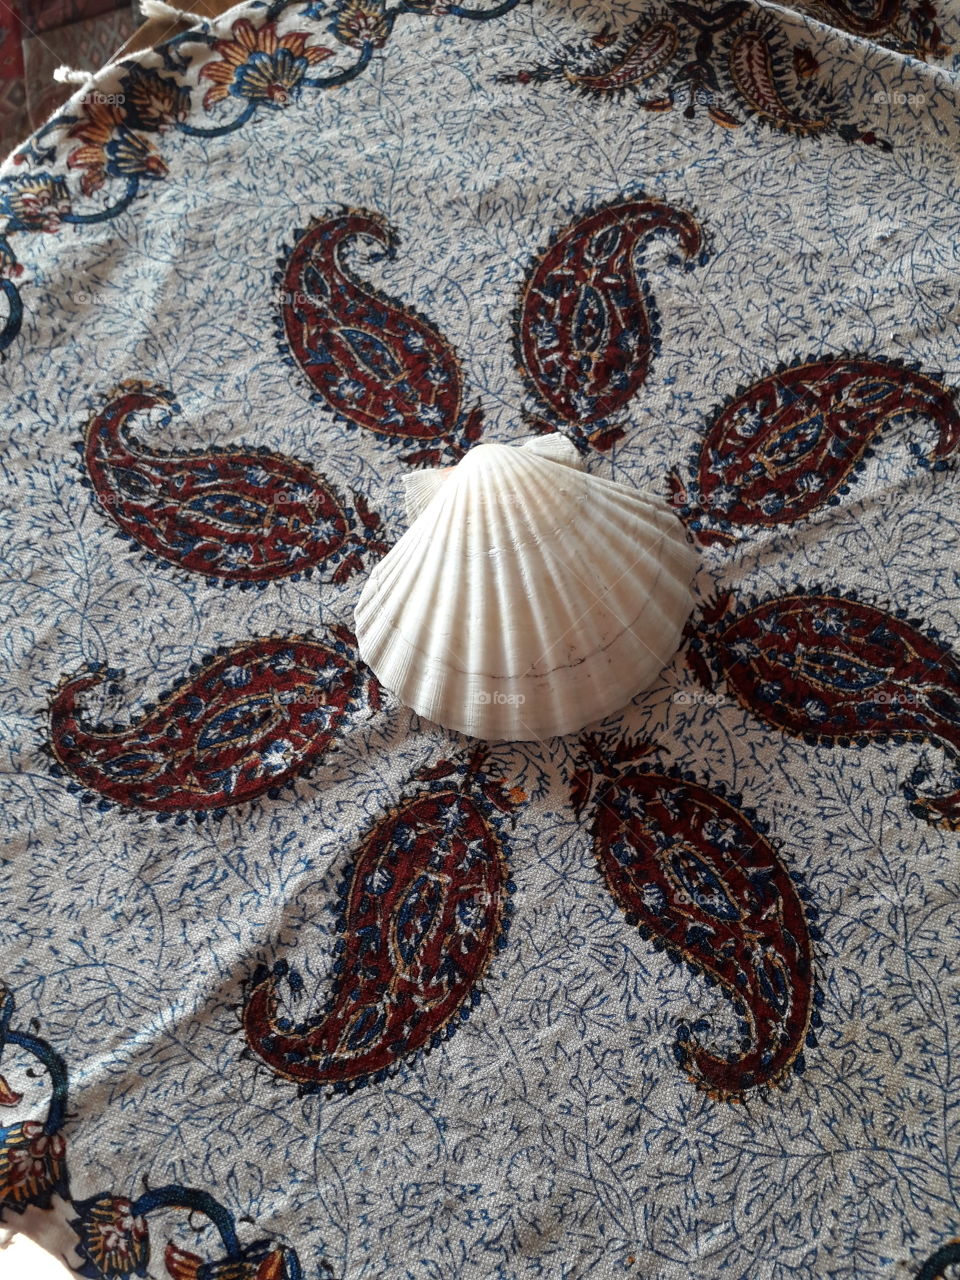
[{"x": 708, "y": 948}]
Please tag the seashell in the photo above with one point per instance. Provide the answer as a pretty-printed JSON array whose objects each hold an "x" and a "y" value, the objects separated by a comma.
[{"x": 528, "y": 598}]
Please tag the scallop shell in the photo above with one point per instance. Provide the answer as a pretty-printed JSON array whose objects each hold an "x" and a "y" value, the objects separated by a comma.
[{"x": 527, "y": 598}]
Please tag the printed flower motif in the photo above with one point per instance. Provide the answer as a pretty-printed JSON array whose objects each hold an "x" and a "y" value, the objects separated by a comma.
[
  {"x": 235, "y": 557},
  {"x": 34, "y": 202},
  {"x": 259, "y": 65},
  {"x": 320, "y": 717},
  {"x": 260, "y": 1261},
  {"x": 255, "y": 475},
  {"x": 9, "y": 1097},
  {"x": 153, "y": 102},
  {"x": 362, "y": 22},
  {"x": 285, "y": 661},
  {"x": 110, "y": 148},
  {"x": 10, "y": 268},
  {"x": 31, "y": 1165},
  {"x": 276, "y": 755},
  {"x": 351, "y": 389},
  {"x": 113, "y": 1239}
]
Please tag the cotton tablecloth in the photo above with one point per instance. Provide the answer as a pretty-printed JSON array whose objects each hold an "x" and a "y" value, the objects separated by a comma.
[{"x": 708, "y": 947}]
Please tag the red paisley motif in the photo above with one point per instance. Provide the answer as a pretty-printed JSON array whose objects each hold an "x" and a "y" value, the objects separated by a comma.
[
  {"x": 695, "y": 873},
  {"x": 246, "y": 723},
  {"x": 830, "y": 669},
  {"x": 752, "y": 68},
  {"x": 792, "y": 441},
  {"x": 649, "y": 48},
  {"x": 424, "y": 907},
  {"x": 585, "y": 336},
  {"x": 376, "y": 363},
  {"x": 234, "y": 516},
  {"x": 716, "y": 57},
  {"x": 913, "y": 30}
]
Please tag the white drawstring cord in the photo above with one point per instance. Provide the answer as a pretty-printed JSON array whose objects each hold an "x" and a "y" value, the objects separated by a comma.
[
  {"x": 149, "y": 9},
  {"x": 68, "y": 75},
  {"x": 160, "y": 9}
]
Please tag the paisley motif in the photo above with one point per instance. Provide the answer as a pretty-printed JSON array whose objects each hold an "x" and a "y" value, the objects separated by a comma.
[
  {"x": 425, "y": 905},
  {"x": 698, "y": 876},
  {"x": 243, "y": 517},
  {"x": 649, "y": 48},
  {"x": 714, "y": 55},
  {"x": 373, "y": 361},
  {"x": 586, "y": 326},
  {"x": 866, "y": 18},
  {"x": 830, "y": 669},
  {"x": 935, "y": 1267},
  {"x": 751, "y": 63},
  {"x": 792, "y": 442},
  {"x": 245, "y": 723},
  {"x": 912, "y": 30}
]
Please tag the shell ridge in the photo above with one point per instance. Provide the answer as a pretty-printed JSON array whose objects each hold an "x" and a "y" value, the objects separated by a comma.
[
  {"x": 521, "y": 666},
  {"x": 529, "y": 598},
  {"x": 420, "y": 488},
  {"x": 615, "y": 599}
]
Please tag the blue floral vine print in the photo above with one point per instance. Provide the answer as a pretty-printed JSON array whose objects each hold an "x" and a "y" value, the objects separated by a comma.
[
  {"x": 113, "y": 1235},
  {"x": 722, "y": 54},
  {"x": 255, "y": 66}
]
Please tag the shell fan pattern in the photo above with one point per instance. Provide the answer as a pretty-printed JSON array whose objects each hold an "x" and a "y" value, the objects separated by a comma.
[{"x": 529, "y": 598}]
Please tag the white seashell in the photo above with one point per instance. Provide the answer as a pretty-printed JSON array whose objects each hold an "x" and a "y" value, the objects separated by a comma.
[
  {"x": 421, "y": 487},
  {"x": 528, "y": 598}
]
